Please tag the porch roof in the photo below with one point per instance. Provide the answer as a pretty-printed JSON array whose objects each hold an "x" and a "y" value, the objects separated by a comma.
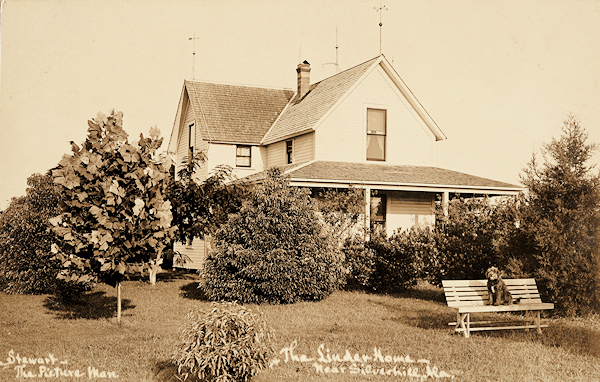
[{"x": 382, "y": 176}]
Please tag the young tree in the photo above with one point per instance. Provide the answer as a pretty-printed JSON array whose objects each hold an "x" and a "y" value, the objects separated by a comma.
[
  {"x": 561, "y": 220},
  {"x": 116, "y": 220}
]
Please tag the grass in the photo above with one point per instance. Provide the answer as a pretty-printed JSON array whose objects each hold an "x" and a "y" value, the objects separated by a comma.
[{"x": 86, "y": 335}]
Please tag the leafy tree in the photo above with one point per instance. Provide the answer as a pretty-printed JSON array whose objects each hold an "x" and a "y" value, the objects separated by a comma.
[
  {"x": 273, "y": 250},
  {"x": 116, "y": 220},
  {"x": 561, "y": 221},
  {"x": 26, "y": 262},
  {"x": 200, "y": 207},
  {"x": 343, "y": 212}
]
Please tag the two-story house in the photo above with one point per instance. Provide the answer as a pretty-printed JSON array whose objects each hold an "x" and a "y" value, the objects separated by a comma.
[{"x": 362, "y": 127}]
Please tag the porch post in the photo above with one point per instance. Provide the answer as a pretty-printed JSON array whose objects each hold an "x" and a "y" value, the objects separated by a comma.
[
  {"x": 367, "y": 211},
  {"x": 445, "y": 199}
]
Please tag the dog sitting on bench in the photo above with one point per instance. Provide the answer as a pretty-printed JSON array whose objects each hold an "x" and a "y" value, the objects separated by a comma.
[{"x": 497, "y": 290}]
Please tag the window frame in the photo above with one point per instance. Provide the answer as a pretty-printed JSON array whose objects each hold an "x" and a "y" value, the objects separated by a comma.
[
  {"x": 191, "y": 143},
  {"x": 289, "y": 151},
  {"x": 237, "y": 155},
  {"x": 375, "y": 133}
]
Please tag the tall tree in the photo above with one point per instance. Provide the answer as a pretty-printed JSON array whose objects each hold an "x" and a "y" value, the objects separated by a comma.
[
  {"x": 561, "y": 220},
  {"x": 116, "y": 220}
]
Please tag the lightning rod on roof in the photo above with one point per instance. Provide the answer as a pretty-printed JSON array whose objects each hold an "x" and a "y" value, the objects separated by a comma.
[
  {"x": 337, "y": 67},
  {"x": 194, "y": 55},
  {"x": 380, "y": 10}
]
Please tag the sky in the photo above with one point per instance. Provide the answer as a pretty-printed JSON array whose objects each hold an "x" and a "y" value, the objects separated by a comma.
[{"x": 498, "y": 77}]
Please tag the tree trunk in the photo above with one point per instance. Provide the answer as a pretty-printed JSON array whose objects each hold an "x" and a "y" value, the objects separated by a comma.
[
  {"x": 119, "y": 303},
  {"x": 153, "y": 272}
]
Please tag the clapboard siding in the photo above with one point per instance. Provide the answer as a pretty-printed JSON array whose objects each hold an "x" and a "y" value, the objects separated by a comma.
[
  {"x": 196, "y": 252},
  {"x": 304, "y": 151},
  {"x": 304, "y": 148},
  {"x": 183, "y": 142},
  {"x": 342, "y": 136},
  {"x": 409, "y": 209}
]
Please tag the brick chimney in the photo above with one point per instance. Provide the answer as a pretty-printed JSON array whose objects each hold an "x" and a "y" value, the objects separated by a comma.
[{"x": 303, "y": 79}]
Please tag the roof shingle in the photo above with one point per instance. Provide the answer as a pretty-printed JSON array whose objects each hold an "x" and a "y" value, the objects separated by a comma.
[{"x": 233, "y": 113}]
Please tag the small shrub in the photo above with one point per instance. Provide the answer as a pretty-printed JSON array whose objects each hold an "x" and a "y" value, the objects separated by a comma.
[{"x": 226, "y": 343}]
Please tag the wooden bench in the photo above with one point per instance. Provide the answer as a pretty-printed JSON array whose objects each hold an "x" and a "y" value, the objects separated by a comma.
[{"x": 471, "y": 296}]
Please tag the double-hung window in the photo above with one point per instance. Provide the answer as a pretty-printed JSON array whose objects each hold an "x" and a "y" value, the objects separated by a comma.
[
  {"x": 191, "y": 138},
  {"x": 289, "y": 150},
  {"x": 376, "y": 132},
  {"x": 243, "y": 156}
]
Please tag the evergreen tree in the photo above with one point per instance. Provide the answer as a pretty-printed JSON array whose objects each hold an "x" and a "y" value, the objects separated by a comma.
[{"x": 561, "y": 221}]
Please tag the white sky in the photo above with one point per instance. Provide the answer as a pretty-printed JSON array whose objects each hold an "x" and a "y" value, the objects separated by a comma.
[{"x": 498, "y": 77}]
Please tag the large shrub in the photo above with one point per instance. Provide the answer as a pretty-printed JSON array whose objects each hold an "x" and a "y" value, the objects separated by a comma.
[
  {"x": 226, "y": 343},
  {"x": 26, "y": 262},
  {"x": 473, "y": 236},
  {"x": 273, "y": 250}
]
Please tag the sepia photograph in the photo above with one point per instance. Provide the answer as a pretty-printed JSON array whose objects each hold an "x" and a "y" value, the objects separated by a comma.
[{"x": 317, "y": 190}]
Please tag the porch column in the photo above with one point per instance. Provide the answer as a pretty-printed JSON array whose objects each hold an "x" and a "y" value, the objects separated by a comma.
[
  {"x": 367, "y": 210},
  {"x": 445, "y": 199}
]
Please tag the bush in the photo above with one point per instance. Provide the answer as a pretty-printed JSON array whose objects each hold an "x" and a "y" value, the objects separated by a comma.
[
  {"x": 359, "y": 261},
  {"x": 26, "y": 262},
  {"x": 398, "y": 260},
  {"x": 225, "y": 343},
  {"x": 273, "y": 250}
]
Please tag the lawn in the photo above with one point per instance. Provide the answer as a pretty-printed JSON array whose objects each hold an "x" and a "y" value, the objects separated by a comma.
[{"x": 403, "y": 334}]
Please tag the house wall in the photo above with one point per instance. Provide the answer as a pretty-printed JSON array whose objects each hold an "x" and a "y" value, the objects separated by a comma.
[
  {"x": 342, "y": 136},
  {"x": 196, "y": 252},
  {"x": 183, "y": 142},
  {"x": 225, "y": 154},
  {"x": 304, "y": 151},
  {"x": 409, "y": 209}
]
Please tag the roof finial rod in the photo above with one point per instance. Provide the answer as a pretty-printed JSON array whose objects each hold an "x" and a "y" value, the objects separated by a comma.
[
  {"x": 380, "y": 10},
  {"x": 194, "y": 55},
  {"x": 337, "y": 66}
]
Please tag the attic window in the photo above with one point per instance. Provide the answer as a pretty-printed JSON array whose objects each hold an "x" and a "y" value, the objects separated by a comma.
[
  {"x": 289, "y": 150},
  {"x": 191, "y": 138},
  {"x": 243, "y": 156},
  {"x": 376, "y": 132}
]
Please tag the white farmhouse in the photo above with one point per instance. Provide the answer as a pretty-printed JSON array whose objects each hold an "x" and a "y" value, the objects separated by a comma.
[{"x": 362, "y": 127}]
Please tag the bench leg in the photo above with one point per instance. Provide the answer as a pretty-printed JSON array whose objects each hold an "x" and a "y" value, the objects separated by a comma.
[
  {"x": 465, "y": 326},
  {"x": 538, "y": 322}
]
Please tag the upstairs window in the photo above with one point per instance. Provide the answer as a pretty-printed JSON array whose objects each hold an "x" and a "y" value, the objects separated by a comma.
[
  {"x": 376, "y": 132},
  {"x": 289, "y": 150},
  {"x": 243, "y": 156},
  {"x": 191, "y": 138}
]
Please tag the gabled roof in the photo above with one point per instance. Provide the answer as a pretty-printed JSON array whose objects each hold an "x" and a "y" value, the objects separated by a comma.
[
  {"x": 305, "y": 115},
  {"x": 302, "y": 115},
  {"x": 234, "y": 113},
  {"x": 380, "y": 175}
]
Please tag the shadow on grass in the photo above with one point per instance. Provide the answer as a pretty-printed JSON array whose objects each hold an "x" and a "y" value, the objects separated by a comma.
[
  {"x": 192, "y": 292},
  {"x": 573, "y": 339},
  {"x": 177, "y": 274},
  {"x": 91, "y": 305},
  {"x": 165, "y": 371}
]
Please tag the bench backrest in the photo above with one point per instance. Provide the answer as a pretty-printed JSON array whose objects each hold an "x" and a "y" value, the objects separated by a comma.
[{"x": 474, "y": 292}]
